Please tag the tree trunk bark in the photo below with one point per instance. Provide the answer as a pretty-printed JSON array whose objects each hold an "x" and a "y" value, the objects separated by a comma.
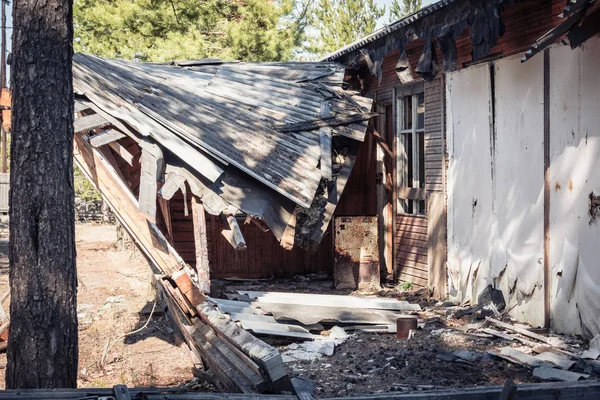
[{"x": 42, "y": 351}]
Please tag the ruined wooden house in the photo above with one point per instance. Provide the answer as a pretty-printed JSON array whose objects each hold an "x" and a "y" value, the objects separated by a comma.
[
  {"x": 221, "y": 169},
  {"x": 481, "y": 163}
]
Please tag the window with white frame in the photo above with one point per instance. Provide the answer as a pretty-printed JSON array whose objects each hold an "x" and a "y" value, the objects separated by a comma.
[{"x": 410, "y": 112}]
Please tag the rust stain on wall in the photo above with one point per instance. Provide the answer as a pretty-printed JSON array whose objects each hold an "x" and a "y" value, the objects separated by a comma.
[{"x": 356, "y": 255}]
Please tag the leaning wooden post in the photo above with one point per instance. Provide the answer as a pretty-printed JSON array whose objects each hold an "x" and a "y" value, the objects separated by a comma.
[{"x": 201, "y": 245}]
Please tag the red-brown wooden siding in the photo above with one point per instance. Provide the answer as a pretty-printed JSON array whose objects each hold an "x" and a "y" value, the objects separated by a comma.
[
  {"x": 263, "y": 258},
  {"x": 360, "y": 194}
]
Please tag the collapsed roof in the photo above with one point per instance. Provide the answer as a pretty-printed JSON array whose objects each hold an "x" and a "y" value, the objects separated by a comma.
[{"x": 274, "y": 141}]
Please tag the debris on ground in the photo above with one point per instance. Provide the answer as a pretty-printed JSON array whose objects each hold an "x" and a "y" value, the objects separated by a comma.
[{"x": 483, "y": 345}]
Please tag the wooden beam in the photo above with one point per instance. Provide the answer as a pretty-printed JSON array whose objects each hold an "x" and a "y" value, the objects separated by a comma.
[
  {"x": 106, "y": 137},
  {"x": 165, "y": 210},
  {"x": 382, "y": 143},
  {"x": 325, "y": 142},
  {"x": 89, "y": 122},
  {"x": 122, "y": 151},
  {"x": 152, "y": 171},
  {"x": 323, "y": 122},
  {"x": 288, "y": 237},
  {"x": 201, "y": 245},
  {"x": 552, "y": 341},
  {"x": 234, "y": 234},
  {"x": 546, "y": 144}
]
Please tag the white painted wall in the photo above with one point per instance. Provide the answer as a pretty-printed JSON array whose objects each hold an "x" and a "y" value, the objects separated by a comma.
[
  {"x": 495, "y": 184},
  {"x": 469, "y": 178},
  {"x": 574, "y": 173}
]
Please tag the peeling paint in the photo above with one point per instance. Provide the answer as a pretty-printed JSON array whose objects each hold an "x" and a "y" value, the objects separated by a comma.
[
  {"x": 575, "y": 158},
  {"x": 502, "y": 234}
]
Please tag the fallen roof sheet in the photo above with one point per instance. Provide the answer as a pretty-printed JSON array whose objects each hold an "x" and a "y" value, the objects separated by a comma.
[{"x": 225, "y": 113}]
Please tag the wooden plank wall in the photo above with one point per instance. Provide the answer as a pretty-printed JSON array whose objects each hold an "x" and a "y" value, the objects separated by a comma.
[
  {"x": 360, "y": 194},
  {"x": 411, "y": 231},
  {"x": 264, "y": 257},
  {"x": 435, "y": 179}
]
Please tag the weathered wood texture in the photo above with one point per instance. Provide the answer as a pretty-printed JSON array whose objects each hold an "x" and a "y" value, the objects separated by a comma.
[
  {"x": 43, "y": 278},
  {"x": 201, "y": 244},
  {"x": 121, "y": 200},
  {"x": 411, "y": 250},
  {"x": 435, "y": 179},
  {"x": 436, "y": 236},
  {"x": 434, "y": 138},
  {"x": 263, "y": 257}
]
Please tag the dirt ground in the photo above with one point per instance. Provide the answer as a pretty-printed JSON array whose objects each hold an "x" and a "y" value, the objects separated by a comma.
[{"x": 115, "y": 296}]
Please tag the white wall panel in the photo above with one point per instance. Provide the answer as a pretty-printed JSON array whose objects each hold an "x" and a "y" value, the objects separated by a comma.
[
  {"x": 495, "y": 184},
  {"x": 518, "y": 229},
  {"x": 469, "y": 178},
  {"x": 574, "y": 174}
]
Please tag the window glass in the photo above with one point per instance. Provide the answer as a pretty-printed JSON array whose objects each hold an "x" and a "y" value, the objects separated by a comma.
[
  {"x": 421, "y": 111},
  {"x": 407, "y": 113}
]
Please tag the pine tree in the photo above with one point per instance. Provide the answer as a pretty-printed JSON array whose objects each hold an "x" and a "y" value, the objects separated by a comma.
[
  {"x": 341, "y": 22},
  {"x": 42, "y": 350},
  {"x": 408, "y": 7},
  {"x": 163, "y": 30}
]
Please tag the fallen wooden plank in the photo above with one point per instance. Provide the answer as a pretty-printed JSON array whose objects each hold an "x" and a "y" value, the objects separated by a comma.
[
  {"x": 227, "y": 367},
  {"x": 330, "y": 300},
  {"x": 266, "y": 356},
  {"x": 323, "y": 122},
  {"x": 391, "y": 328},
  {"x": 106, "y": 137},
  {"x": 556, "y": 342}
]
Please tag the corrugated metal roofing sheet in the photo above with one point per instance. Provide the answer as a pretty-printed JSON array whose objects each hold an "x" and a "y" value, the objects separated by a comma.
[{"x": 226, "y": 111}]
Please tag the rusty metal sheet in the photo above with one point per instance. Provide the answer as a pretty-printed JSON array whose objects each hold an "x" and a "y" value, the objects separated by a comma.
[{"x": 356, "y": 257}]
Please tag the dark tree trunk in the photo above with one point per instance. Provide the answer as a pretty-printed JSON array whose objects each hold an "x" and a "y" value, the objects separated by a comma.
[{"x": 42, "y": 351}]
